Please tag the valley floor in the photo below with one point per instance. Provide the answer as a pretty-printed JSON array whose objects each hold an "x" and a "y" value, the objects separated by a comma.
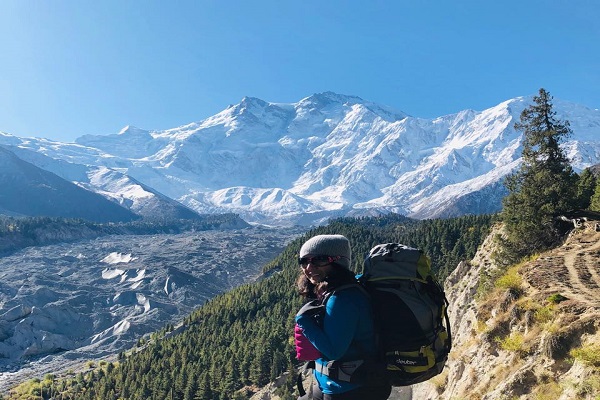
[{"x": 65, "y": 304}]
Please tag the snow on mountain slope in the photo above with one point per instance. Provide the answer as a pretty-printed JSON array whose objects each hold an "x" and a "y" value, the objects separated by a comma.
[
  {"x": 134, "y": 195},
  {"x": 328, "y": 154},
  {"x": 111, "y": 184},
  {"x": 29, "y": 190},
  {"x": 131, "y": 142}
]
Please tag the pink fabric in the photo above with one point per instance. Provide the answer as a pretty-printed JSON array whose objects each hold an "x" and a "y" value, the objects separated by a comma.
[{"x": 305, "y": 350}]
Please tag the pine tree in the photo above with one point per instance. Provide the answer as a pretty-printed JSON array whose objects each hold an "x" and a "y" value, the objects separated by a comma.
[
  {"x": 542, "y": 188},
  {"x": 586, "y": 185},
  {"x": 204, "y": 391},
  {"x": 595, "y": 200}
]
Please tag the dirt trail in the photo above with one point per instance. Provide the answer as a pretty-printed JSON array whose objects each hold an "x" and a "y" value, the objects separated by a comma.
[{"x": 571, "y": 270}]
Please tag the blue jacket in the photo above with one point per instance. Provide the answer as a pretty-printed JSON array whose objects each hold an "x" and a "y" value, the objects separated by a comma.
[{"x": 347, "y": 334}]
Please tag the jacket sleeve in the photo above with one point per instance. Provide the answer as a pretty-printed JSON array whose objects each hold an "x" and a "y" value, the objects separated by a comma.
[{"x": 339, "y": 325}]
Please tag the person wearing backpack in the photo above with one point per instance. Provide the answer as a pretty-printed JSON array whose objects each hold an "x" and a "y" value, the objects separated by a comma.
[{"x": 335, "y": 329}]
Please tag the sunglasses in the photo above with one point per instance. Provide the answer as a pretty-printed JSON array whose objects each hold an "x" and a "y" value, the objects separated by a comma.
[{"x": 317, "y": 261}]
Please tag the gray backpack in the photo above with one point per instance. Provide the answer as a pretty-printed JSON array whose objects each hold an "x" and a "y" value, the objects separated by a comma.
[{"x": 410, "y": 312}]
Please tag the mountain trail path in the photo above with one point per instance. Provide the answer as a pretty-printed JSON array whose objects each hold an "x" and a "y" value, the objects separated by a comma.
[{"x": 571, "y": 270}]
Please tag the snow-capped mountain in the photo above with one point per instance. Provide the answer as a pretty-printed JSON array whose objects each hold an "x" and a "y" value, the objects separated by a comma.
[{"x": 326, "y": 155}]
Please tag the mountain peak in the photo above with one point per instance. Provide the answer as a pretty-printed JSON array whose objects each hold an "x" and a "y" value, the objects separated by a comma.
[
  {"x": 325, "y": 98},
  {"x": 132, "y": 130},
  {"x": 250, "y": 108},
  {"x": 330, "y": 99},
  {"x": 253, "y": 101}
]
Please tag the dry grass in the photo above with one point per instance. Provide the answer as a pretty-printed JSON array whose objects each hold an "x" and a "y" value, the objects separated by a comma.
[
  {"x": 511, "y": 279},
  {"x": 589, "y": 387},
  {"x": 514, "y": 342},
  {"x": 548, "y": 391},
  {"x": 545, "y": 315},
  {"x": 440, "y": 381},
  {"x": 589, "y": 355},
  {"x": 552, "y": 346}
]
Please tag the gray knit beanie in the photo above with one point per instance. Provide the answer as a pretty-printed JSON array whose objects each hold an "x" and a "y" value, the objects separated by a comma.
[{"x": 329, "y": 245}]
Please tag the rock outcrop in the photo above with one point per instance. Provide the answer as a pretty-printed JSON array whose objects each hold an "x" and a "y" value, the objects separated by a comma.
[{"x": 533, "y": 334}]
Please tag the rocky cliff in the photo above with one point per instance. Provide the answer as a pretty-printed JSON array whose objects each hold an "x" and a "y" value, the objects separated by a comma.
[{"x": 531, "y": 332}]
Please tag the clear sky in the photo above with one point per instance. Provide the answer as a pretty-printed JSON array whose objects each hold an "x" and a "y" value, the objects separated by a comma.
[{"x": 75, "y": 67}]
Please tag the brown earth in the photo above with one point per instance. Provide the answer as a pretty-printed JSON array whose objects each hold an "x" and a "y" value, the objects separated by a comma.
[{"x": 571, "y": 270}]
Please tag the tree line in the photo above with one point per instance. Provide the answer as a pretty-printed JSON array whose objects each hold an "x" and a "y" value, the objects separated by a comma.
[{"x": 18, "y": 233}]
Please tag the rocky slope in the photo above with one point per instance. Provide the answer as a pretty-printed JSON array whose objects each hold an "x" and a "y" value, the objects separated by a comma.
[{"x": 532, "y": 335}]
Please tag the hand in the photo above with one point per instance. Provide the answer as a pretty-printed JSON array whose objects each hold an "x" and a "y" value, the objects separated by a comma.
[{"x": 305, "y": 350}]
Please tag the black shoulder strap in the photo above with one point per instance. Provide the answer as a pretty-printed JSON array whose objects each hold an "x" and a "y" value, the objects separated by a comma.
[
  {"x": 346, "y": 286},
  {"x": 299, "y": 386}
]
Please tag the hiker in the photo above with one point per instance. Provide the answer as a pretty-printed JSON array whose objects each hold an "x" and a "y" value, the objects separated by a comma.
[{"x": 341, "y": 329}]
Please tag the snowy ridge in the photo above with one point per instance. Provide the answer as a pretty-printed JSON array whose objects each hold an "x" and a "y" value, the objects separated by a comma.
[{"x": 326, "y": 155}]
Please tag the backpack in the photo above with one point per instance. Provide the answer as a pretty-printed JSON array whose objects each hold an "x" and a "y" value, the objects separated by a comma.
[{"x": 410, "y": 313}]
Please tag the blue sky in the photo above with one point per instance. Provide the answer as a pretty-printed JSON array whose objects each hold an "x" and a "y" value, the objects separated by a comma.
[{"x": 75, "y": 67}]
